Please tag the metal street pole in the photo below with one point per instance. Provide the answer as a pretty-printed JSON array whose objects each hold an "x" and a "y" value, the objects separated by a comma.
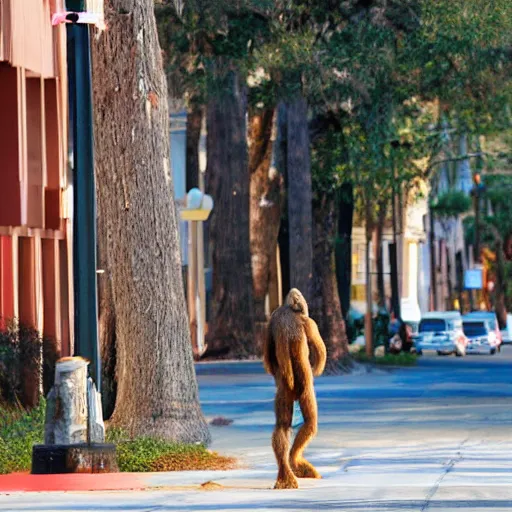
[
  {"x": 393, "y": 256},
  {"x": 477, "y": 224},
  {"x": 84, "y": 199},
  {"x": 433, "y": 264}
]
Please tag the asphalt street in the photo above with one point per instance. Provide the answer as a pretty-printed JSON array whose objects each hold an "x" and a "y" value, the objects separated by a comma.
[{"x": 432, "y": 437}]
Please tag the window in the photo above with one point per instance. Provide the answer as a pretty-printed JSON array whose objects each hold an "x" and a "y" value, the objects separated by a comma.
[
  {"x": 474, "y": 329},
  {"x": 432, "y": 325}
]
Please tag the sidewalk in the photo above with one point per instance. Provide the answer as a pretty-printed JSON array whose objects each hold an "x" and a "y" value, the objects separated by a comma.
[
  {"x": 472, "y": 475},
  {"x": 431, "y": 438}
]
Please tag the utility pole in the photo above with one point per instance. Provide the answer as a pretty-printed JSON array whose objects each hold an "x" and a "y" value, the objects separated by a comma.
[
  {"x": 478, "y": 188},
  {"x": 393, "y": 261},
  {"x": 84, "y": 192},
  {"x": 476, "y": 193},
  {"x": 432, "y": 242}
]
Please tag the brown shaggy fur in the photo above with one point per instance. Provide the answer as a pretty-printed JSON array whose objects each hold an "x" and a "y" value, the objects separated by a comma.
[{"x": 291, "y": 335}]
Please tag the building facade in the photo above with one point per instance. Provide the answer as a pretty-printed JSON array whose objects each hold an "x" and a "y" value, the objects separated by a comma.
[{"x": 35, "y": 199}]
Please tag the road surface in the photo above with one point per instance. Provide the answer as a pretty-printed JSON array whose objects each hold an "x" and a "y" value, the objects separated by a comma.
[{"x": 434, "y": 437}]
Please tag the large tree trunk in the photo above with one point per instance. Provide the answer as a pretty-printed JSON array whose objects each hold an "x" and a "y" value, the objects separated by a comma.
[
  {"x": 157, "y": 392},
  {"x": 325, "y": 306},
  {"x": 299, "y": 195},
  {"x": 344, "y": 246},
  {"x": 194, "y": 122},
  {"x": 280, "y": 158},
  {"x": 265, "y": 206},
  {"x": 107, "y": 321},
  {"x": 231, "y": 331}
]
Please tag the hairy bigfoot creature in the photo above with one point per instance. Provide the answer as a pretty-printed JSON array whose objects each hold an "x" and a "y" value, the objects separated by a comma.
[{"x": 291, "y": 335}]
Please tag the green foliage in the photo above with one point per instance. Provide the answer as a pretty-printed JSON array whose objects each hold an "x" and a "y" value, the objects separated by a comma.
[
  {"x": 146, "y": 454},
  {"x": 496, "y": 212},
  {"x": 384, "y": 80},
  {"x": 19, "y": 431},
  {"x": 463, "y": 48},
  {"x": 451, "y": 204},
  {"x": 208, "y": 38},
  {"x": 138, "y": 455}
]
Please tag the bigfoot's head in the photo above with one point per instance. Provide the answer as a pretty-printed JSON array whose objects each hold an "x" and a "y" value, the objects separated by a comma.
[{"x": 297, "y": 302}]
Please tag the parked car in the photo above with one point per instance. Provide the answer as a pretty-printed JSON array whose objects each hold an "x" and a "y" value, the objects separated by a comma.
[
  {"x": 481, "y": 336},
  {"x": 490, "y": 316},
  {"x": 441, "y": 331},
  {"x": 506, "y": 334}
]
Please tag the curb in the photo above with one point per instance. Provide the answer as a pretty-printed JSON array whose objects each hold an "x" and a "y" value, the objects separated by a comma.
[{"x": 26, "y": 482}]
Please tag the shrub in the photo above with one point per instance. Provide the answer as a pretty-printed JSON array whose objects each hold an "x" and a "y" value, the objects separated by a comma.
[
  {"x": 10, "y": 381},
  {"x": 26, "y": 361},
  {"x": 21, "y": 429},
  {"x": 146, "y": 454}
]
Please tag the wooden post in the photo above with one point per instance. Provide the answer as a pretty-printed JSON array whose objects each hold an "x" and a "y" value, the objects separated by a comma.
[
  {"x": 191, "y": 282},
  {"x": 201, "y": 289}
]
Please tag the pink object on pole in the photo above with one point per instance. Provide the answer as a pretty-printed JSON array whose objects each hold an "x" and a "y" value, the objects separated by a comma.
[
  {"x": 91, "y": 18},
  {"x": 58, "y": 18}
]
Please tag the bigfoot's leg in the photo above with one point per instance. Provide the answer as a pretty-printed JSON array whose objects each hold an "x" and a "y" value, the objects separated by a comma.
[
  {"x": 300, "y": 466},
  {"x": 281, "y": 440}
]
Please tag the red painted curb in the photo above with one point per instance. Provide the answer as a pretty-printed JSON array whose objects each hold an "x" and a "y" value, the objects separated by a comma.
[{"x": 24, "y": 482}]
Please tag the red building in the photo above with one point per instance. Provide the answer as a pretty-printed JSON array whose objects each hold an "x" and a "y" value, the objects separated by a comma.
[{"x": 35, "y": 242}]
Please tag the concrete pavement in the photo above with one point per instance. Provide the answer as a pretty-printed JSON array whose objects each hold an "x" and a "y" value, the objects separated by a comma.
[{"x": 434, "y": 437}]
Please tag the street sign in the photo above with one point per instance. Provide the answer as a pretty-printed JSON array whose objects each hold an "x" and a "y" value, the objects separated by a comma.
[{"x": 473, "y": 279}]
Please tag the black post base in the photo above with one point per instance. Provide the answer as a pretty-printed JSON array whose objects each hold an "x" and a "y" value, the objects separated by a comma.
[{"x": 79, "y": 458}]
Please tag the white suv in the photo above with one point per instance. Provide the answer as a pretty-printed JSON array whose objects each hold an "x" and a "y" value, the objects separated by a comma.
[{"x": 441, "y": 331}]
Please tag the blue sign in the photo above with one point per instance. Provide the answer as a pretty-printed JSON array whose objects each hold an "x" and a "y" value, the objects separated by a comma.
[{"x": 473, "y": 279}]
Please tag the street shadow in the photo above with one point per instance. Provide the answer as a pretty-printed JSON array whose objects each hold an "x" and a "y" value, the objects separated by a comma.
[{"x": 267, "y": 504}]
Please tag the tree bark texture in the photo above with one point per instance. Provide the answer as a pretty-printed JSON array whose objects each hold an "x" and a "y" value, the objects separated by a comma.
[
  {"x": 280, "y": 158},
  {"x": 194, "y": 122},
  {"x": 231, "y": 330},
  {"x": 157, "y": 392},
  {"x": 106, "y": 323},
  {"x": 299, "y": 196},
  {"x": 344, "y": 246},
  {"x": 265, "y": 206},
  {"x": 107, "y": 318},
  {"x": 325, "y": 306}
]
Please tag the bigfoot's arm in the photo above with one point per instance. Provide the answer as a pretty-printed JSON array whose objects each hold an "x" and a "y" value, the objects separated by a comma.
[
  {"x": 316, "y": 345},
  {"x": 269, "y": 353}
]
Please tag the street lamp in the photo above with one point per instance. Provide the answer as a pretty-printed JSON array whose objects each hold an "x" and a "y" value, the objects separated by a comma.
[
  {"x": 84, "y": 189},
  {"x": 197, "y": 210}
]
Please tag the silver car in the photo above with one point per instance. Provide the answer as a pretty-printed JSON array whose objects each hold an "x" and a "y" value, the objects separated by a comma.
[
  {"x": 481, "y": 336},
  {"x": 441, "y": 331}
]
